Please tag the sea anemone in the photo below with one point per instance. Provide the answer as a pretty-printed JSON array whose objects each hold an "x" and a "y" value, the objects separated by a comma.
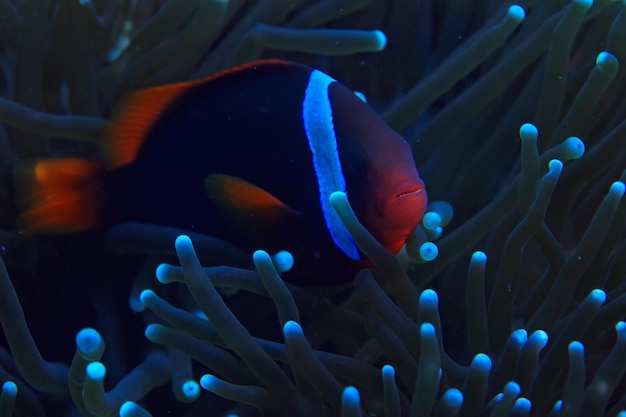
[{"x": 516, "y": 118}]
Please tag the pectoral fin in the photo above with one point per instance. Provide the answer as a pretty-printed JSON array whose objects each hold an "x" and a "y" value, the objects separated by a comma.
[{"x": 249, "y": 208}]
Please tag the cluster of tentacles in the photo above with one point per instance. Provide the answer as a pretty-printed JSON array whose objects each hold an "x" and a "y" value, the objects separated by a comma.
[{"x": 522, "y": 311}]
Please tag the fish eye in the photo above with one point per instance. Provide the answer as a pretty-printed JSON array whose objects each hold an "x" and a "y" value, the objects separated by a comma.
[{"x": 356, "y": 164}]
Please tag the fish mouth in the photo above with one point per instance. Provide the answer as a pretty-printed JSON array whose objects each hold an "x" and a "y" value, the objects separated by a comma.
[
  {"x": 403, "y": 192},
  {"x": 410, "y": 191},
  {"x": 401, "y": 213}
]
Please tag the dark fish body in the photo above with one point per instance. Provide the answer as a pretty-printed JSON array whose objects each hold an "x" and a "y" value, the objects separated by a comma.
[
  {"x": 250, "y": 155},
  {"x": 210, "y": 131}
]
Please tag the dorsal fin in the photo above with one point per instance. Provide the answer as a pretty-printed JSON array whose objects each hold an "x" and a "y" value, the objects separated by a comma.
[
  {"x": 134, "y": 117},
  {"x": 132, "y": 120}
]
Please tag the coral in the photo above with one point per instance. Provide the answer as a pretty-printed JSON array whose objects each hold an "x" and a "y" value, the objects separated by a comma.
[{"x": 517, "y": 310}]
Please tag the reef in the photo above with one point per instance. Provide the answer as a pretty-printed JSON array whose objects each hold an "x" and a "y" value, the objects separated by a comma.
[{"x": 517, "y": 120}]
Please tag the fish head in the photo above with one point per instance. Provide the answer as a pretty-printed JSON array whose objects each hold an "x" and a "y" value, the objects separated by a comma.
[
  {"x": 382, "y": 182},
  {"x": 385, "y": 190}
]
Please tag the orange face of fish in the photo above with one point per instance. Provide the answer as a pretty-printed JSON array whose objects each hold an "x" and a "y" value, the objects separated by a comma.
[
  {"x": 383, "y": 185},
  {"x": 399, "y": 194}
]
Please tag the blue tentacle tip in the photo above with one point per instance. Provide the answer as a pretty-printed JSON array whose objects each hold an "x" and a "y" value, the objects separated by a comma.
[
  {"x": 479, "y": 257},
  {"x": 576, "y": 347},
  {"x": 574, "y": 147},
  {"x": 429, "y": 298},
  {"x": 429, "y": 251},
  {"x": 88, "y": 341},
  {"x": 597, "y": 296},
  {"x": 9, "y": 388},
  {"x": 538, "y": 338},
  {"x": 519, "y": 336},
  {"x": 516, "y": 12},
  {"x": 291, "y": 328},
  {"x": 190, "y": 389},
  {"x": 427, "y": 330},
  {"x": 453, "y": 398},
  {"x": 388, "y": 371},
  {"x": 512, "y": 389},
  {"x": 522, "y": 405},
  {"x": 617, "y": 188},
  {"x": 351, "y": 397},
  {"x": 96, "y": 371},
  {"x": 528, "y": 131},
  {"x": 208, "y": 382},
  {"x": 130, "y": 409},
  {"x": 482, "y": 362}
]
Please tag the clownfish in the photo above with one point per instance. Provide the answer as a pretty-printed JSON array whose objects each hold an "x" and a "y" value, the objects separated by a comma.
[{"x": 250, "y": 155}]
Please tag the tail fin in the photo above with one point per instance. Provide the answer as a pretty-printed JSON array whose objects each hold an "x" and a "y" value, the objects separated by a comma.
[{"x": 59, "y": 195}]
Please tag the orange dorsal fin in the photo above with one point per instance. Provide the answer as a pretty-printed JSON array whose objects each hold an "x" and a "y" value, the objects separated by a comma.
[
  {"x": 59, "y": 195},
  {"x": 132, "y": 120},
  {"x": 248, "y": 207}
]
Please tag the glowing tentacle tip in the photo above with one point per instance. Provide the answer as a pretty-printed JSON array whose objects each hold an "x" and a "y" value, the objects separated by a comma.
[
  {"x": 9, "y": 388},
  {"x": 597, "y": 296},
  {"x": 130, "y": 409},
  {"x": 585, "y": 4},
  {"x": 429, "y": 298},
  {"x": 431, "y": 220},
  {"x": 90, "y": 343},
  {"x": 150, "y": 331},
  {"x": 452, "y": 398},
  {"x": 516, "y": 12},
  {"x": 557, "y": 408},
  {"x": 191, "y": 390},
  {"x": 350, "y": 399},
  {"x": 283, "y": 261},
  {"x": 161, "y": 274},
  {"x": 443, "y": 209},
  {"x": 361, "y": 96},
  {"x": 537, "y": 340},
  {"x": 522, "y": 406},
  {"x": 427, "y": 330},
  {"x": 146, "y": 296},
  {"x": 435, "y": 233},
  {"x": 512, "y": 389},
  {"x": 482, "y": 362},
  {"x": 337, "y": 196},
  {"x": 621, "y": 330},
  {"x": 260, "y": 256},
  {"x": 555, "y": 166},
  {"x": 96, "y": 371},
  {"x": 574, "y": 148},
  {"x": 497, "y": 398},
  {"x": 617, "y": 189},
  {"x": 291, "y": 328},
  {"x": 519, "y": 337},
  {"x": 184, "y": 246},
  {"x": 429, "y": 251},
  {"x": 479, "y": 257},
  {"x": 389, "y": 372},
  {"x": 380, "y": 40},
  {"x": 135, "y": 303},
  {"x": 576, "y": 348},
  {"x": 606, "y": 61},
  {"x": 208, "y": 382},
  {"x": 528, "y": 131}
]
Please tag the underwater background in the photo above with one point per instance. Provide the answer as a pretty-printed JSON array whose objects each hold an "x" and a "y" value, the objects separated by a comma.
[{"x": 517, "y": 121}]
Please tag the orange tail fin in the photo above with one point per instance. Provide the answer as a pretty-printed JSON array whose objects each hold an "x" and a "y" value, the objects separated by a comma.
[{"x": 59, "y": 195}]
